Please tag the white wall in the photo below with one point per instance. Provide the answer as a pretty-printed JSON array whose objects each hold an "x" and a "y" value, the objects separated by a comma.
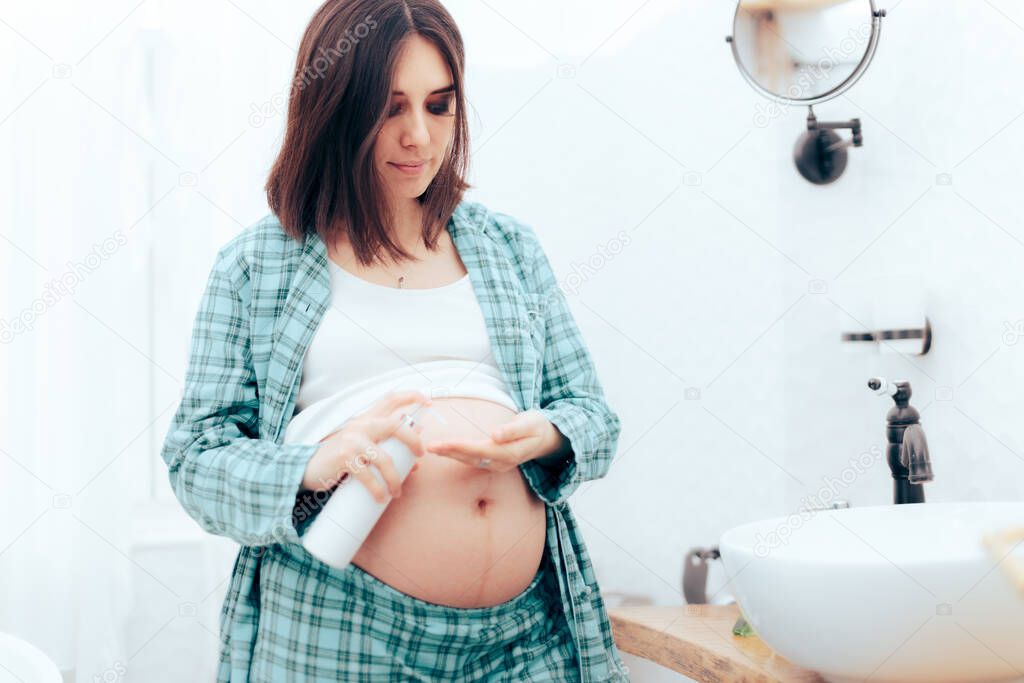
[
  {"x": 905, "y": 245},
  {"x": 592, "y": 121}
]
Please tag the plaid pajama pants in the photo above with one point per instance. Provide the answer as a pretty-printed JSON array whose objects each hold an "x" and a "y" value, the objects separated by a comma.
[{"x": 319, "y": 623}]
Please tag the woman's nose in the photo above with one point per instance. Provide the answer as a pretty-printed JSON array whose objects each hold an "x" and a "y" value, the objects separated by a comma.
[{"x": 415, "y": 132}]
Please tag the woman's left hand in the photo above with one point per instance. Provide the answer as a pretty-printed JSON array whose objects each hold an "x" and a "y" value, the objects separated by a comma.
[{"x": 527, "y": 436}]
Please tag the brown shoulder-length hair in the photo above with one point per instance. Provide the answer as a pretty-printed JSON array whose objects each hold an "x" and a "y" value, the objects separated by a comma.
[{"x": 324, "y": 178}]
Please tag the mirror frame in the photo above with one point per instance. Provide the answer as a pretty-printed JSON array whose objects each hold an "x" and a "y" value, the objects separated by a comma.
[{"x": 855, "y": 75}]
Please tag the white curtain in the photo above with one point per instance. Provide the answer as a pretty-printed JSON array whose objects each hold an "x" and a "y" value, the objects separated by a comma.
[
  {"x": 130, "y": 150},
  {"x": 74, "y": 338}
]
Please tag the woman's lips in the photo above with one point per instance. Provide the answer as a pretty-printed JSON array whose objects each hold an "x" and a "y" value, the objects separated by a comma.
[{"x": 410, "y": 170}]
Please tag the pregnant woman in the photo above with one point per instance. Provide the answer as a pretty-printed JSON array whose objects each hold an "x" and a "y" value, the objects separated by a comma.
[{"x": 372, "y": 291}]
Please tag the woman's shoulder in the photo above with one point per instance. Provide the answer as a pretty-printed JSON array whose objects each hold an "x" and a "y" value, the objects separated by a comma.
[
  {"x": 508, "y": 229},
  {"x": 257, "y": 243}
]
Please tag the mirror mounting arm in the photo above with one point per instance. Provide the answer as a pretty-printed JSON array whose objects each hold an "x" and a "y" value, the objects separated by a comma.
[{"x": 853, "y": 124}]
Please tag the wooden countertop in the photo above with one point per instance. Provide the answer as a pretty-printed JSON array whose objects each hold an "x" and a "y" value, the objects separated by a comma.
[{"x": 697, "y": 641}]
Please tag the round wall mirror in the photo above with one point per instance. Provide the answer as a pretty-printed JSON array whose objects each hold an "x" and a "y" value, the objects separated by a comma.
[{"x": 804, "y": 51}]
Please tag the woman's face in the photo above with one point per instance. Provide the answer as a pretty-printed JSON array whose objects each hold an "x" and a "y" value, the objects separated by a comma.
[{"x": 420, "y": 120}]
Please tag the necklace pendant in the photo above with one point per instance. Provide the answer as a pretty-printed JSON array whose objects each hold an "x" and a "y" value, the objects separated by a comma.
[{"x": 401, "y": 282}]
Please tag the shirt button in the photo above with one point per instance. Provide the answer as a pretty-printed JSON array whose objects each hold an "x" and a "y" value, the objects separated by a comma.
[{"x": 585, "y": 592}]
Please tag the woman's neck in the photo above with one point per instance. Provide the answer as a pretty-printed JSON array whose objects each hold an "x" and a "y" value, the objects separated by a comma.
[{"x": 407, "y": 227}]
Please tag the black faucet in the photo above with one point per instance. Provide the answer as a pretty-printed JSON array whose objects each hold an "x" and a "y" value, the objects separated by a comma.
[{"x": 907, "y": 453}]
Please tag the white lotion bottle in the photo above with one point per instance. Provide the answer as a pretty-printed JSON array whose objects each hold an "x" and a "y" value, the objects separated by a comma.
[{"x": 346, "y": 520}]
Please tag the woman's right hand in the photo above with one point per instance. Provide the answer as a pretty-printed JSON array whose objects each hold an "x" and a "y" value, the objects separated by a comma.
[{"x": 353, "y": 449}]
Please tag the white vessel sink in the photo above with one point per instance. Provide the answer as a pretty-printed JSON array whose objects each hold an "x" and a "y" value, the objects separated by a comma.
[{"x": 887, "y": 594}]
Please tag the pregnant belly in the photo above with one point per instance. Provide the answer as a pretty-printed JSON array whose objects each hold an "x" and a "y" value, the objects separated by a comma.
[{"x": 458, "y": 535}]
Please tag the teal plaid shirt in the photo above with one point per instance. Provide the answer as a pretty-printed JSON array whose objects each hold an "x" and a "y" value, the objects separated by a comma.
[{"x": 264, "y": 298}]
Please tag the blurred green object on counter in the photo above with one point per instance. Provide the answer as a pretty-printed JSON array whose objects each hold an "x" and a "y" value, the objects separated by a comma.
[{"x": 742, "y": 628}]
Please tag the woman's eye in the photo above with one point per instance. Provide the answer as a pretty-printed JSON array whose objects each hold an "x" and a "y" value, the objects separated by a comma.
[
  {"x": 436, "y": 108},
  {"x": 443, "y": 106}
]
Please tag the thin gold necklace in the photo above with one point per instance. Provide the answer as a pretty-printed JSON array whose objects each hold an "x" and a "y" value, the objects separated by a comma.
[{"x": 401, "y": 278}]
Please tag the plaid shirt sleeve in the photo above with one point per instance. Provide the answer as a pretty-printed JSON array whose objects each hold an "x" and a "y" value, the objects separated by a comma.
[
  {"x": 230, "y": 481},
  {"x": 571, "y": 395}
]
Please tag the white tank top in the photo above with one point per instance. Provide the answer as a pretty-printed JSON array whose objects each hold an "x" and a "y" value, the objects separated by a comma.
[{"x": 375, "y": 339}]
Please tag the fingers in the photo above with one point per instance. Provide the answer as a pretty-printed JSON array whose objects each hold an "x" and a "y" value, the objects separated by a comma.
[
  {"x": 508, "y": 432},
  {"x": 355, "y": 446},
  {"x": 412, "y": 437},
  {"x": 371, "y": 456},
  {"x": 395, "y": 426},
  {"x": 387, "y": 467},
  {"x": 471, "y": 453},
  {"x": 525, "y": 424}
]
